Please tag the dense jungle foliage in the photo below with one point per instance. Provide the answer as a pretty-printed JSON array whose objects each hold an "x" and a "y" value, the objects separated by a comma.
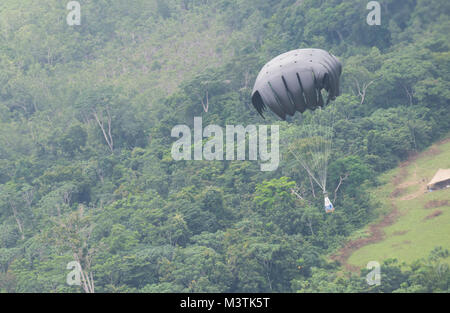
[{"x": 86, "y": 172}]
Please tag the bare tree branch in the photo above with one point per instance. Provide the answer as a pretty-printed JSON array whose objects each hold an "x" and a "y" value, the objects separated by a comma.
[
  {"x": 341, "y": 180},
  {"x": 362, "y": 92},
  {"x": 206, "y": 105},
  {"x": 295, "y": 191},
  {"x": 108, "y": 136},
  {"x": 18, "y": 221}
]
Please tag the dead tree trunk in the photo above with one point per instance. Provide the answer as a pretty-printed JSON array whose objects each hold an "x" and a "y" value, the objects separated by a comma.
[
  {"x": 295, "y": 191},
  {"x": 18, "y": 221},
  {"x": 310, "y": 226},
  {"x": 409, "y": 94},
  {"x": 206, "y": 105},
  {"x": 86, "y": 277},
  {"x": 106, "y": 132},
  {"x": 362, "y": 91},
  {"x": 341, "y": 180}
]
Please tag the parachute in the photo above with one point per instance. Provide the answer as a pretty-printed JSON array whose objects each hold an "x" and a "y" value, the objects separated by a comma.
[{"x": 293, "y": 82}]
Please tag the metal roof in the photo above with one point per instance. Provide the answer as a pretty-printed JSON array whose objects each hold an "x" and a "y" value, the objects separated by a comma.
[{"x": 441, "y": 175}]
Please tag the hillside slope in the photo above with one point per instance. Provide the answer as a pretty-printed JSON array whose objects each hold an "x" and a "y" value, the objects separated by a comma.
[{"x": 414, "y": 221}]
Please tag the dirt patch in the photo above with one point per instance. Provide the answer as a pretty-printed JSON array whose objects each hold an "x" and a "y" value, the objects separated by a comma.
[
  {"x": 403, "y": 243},
  {"x": 352, "y": 268},
  {"x": 398, "y": 192},
  {"x": 414, "y": 181},
  {"x": 432, "y": 151},
  {"x": 376, "y": 234},
  {"x": 422, "y": 190},
  {"x": 436, "y": 204},
  {"x": 402, "y": 182},
  {"x": 433, "y": 215},
  {"x": 400, "y": 233},
  {"x": 398, "y": 179}
]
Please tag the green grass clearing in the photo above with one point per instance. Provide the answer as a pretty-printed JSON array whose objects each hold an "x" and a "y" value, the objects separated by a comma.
[{"x": 416, "y": 232}]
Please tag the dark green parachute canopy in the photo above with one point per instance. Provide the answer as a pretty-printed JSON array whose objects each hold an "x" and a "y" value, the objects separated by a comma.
[{"x": 293, "y": 82}]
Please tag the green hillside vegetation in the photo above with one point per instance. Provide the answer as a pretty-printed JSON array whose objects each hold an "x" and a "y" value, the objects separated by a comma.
[
  {"x": 86, "y": 172},
  {"x": 422, "y": 217}
]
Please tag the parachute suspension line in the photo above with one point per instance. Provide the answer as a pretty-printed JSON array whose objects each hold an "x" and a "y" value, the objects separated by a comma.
[
  {"x": 318, "y": 130},
  {"x": 329, "y": 208},
  {"x": 307, "y": 159},
  {"x": 306, "y": 167},
  {"x": 329, "y": 142},
  {"x": 319, "y": 149}
]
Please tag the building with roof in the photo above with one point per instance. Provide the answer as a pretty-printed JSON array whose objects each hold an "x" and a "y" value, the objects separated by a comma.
[{"x": 440, "y": 181}]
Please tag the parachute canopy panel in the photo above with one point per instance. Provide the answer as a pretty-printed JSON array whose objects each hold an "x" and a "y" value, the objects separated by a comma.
[{"x": 293, "y": 82}]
